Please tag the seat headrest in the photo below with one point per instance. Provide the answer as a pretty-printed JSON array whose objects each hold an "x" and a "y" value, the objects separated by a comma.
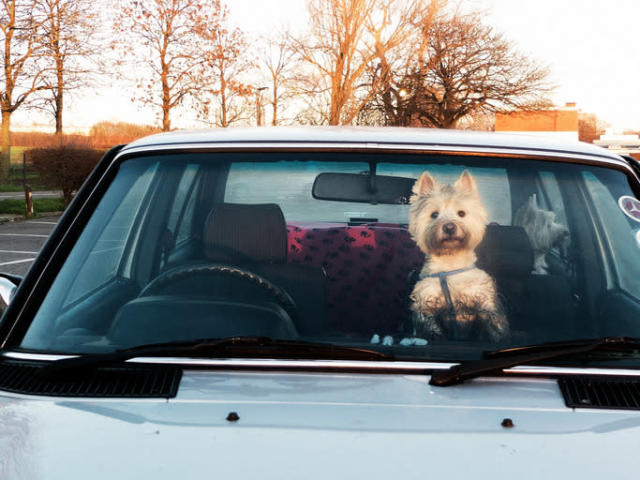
[
  {"x": 505, "y": 251},
  {"x": 251, "y": 232}
]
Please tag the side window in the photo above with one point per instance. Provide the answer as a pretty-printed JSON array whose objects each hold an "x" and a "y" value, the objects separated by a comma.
[
  {"x": 620, "y": 233},
  {"x": 550, "y": 197},
  {"x": 184, "y": 229},
  {"x": 103, "y": 261},
  {"x": 544, "y": 218},
  {"x": 181, "y": 215}
]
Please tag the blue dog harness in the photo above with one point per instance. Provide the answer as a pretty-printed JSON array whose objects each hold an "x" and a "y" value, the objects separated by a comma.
[{"x": 442, "y": 276}]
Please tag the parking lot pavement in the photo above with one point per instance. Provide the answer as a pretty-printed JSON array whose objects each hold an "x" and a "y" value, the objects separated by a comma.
[{"x": 21, "y": 241}]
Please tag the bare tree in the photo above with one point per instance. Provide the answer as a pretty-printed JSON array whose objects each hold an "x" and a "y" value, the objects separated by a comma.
[
  {"x": 277, "y": 60},
  {"x": 22, "y": 68},
  {"x": 461, "y": 67},
  {"x": 69, "y": 30},
  {"x": 165, "y": 35},
  {"x": 344, "y": 39},
  {"x": 590, "y": 127},
  {"x": 480, "y": 120},
  {"x": 226, "y": 62},
  {"x": 392, "y": 65}
]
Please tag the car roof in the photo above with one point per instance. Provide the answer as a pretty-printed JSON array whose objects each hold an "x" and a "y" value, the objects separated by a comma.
[{"x": 369, "y": 137}]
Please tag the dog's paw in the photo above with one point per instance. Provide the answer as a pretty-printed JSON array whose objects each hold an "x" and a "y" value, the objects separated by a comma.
[
  {"x": 426, "y": 325},
  {"x": 497, "y": 327},
  {"x": 409, "y": 341},
  {"x": 386, "y": 340}
]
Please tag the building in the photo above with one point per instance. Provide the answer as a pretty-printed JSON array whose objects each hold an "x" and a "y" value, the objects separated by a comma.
[
  {"x": 622, "y": 144},
  {"x": 561, "y": 123}
]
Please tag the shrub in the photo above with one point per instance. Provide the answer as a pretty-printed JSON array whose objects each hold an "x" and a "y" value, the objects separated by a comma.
[
  {"x": 40, "y": 205},
  {"x": 64, "y": 167}
]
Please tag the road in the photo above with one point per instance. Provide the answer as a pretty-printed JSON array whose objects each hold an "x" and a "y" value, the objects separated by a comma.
[{"x": 21, "y": 241}]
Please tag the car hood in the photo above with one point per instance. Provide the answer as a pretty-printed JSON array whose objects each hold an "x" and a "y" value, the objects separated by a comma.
[{"x": 318, "y": 425}]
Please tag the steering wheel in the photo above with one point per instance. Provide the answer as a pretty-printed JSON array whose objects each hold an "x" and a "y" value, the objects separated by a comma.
[{"x": 280, "y": 295}]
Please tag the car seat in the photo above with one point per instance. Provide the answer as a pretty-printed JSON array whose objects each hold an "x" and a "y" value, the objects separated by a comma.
[
  {"x": 366, "y": 267},
  {"x": 536, "y": 305},
  {"x": 254, "y": 237}
]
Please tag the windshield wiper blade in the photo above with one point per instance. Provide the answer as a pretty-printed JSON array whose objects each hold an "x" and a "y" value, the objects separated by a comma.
[
  {"x": 207, "y": 347},
  {"x": 498, "y": 360},
  {"x": 602, "y": 343}
]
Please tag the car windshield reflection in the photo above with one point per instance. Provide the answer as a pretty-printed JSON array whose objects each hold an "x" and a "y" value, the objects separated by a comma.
[{"x": 426, "y": 257}]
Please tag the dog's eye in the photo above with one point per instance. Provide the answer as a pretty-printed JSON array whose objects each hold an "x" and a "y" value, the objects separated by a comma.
[
  {"x": 434, "y": 215},
  {"x": 461, "y": 213}
]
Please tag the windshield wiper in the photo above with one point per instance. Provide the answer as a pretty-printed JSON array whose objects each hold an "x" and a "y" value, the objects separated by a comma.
[
  {"x": 498, "y": 360},
  {"x": 231, "y": 346}
]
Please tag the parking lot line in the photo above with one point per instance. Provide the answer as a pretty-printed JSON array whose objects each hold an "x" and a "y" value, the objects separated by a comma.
[
  {"x": 18, "y": 251},
  {"x": 23, "y": 235},
  {"x": 17, "y": 261},
  {"x": 42, "y": 222}
]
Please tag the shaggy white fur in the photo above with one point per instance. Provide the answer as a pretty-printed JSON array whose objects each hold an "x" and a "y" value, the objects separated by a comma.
[{"x": 543, "y": 230}]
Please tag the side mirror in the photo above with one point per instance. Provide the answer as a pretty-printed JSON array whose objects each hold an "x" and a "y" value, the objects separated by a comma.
[{"x": 8, "y": 286}]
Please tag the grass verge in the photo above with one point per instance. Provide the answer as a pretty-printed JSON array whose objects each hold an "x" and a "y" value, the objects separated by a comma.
[
  {"x": 15, "y": 182},
  {"x": 16, "y": 206},
  {"x": 15, "y": 187}
]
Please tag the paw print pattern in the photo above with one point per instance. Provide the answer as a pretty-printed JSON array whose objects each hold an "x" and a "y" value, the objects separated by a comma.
[{"x": 367, "y": 269}]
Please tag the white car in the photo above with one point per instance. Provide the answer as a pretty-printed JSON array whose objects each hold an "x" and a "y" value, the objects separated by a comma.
[{"x": 244, "y": 304}]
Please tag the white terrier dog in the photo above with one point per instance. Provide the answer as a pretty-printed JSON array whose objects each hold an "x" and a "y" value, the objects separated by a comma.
[
  {"x": 453, "y": 298},
  {"x": 542, "y": 229}
]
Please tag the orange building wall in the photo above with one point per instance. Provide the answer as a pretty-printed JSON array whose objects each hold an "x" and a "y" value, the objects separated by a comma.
[{"x": 543, "y": 121}]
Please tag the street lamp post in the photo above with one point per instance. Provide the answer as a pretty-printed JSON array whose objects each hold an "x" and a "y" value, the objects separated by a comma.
[
  {"x": 259, "y": 105},
  {"x": 401, "y": 114}
]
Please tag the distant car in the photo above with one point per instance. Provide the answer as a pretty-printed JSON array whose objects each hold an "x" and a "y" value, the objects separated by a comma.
[{"x": 242, "y": 304}]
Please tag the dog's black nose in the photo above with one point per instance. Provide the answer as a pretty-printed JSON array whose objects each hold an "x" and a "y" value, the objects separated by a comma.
[{"x": 449, "y": 228}]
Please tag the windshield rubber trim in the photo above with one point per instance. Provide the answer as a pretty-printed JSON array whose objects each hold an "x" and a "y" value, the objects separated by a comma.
[{"x": 351, "y": 145}]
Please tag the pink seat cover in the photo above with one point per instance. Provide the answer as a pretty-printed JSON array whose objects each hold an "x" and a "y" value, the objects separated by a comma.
[{"x": 367, "y": 270}]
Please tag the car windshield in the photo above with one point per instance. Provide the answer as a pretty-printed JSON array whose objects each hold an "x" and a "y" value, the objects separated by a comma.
[{"x": 431, "y": 257}]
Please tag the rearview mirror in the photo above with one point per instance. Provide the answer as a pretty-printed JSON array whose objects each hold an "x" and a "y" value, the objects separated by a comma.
[
  {"x": 363, "y": 187},
  {"x": 8, "y": 285}
]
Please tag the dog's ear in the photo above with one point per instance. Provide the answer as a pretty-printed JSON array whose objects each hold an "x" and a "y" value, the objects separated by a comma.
[
  {"x": 466, "y": 183},
  {"x": 425, "y": 184},
  {"x": 533, "y": 201}
]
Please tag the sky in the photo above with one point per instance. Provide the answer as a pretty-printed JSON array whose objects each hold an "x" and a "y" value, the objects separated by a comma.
[{"x": 590, "y": 46}]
